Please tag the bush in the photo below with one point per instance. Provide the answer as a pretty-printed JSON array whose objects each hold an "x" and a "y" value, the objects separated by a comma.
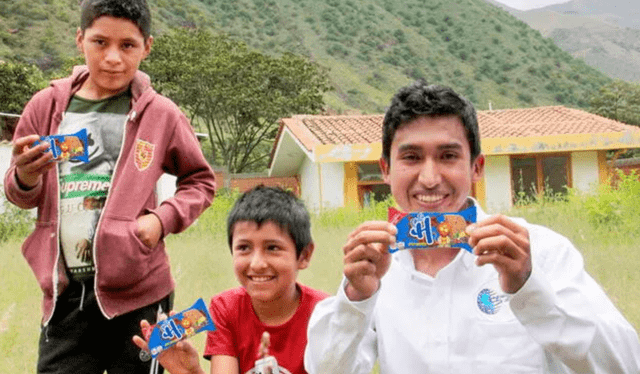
[
  {"x": 214, "y": 219},
  {"x": 15, "y": 223},
  {"x": 615, "y": 206},
  {"x": 348, "y": 217}
]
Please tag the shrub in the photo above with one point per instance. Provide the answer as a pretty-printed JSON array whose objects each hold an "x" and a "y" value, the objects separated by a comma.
[
  {"x": 348, "y": 217},
  {"x": 615, "y": 206},
  {"x": 15, "y": 223}
]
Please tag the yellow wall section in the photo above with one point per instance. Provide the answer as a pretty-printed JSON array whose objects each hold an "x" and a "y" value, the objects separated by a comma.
[
  {"x": 351, "y": 185},
  {"x": 560, "y": 143},
  {"x": 603, "y": 168},
  {"x": 481, "y": 192},
  {"x": 347, "y": 152}
]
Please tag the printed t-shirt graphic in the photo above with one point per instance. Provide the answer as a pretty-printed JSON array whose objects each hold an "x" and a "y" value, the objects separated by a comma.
[{"x": 84, "y": 186}]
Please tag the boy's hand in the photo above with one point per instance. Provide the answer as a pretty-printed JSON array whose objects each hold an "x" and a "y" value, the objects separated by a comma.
[
  {"x": 181, "y": 358},
  {"x": 31, "y": 162},
  {"x": 149, "y": 230},
  {"x": 501, "y": 242},
  {"x": 367, "y": 258}
]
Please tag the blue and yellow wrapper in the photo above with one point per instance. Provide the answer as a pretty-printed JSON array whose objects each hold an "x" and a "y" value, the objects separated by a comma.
[
  {"x": 424, "y": 230},
  {"x": 180, "y": 326}
]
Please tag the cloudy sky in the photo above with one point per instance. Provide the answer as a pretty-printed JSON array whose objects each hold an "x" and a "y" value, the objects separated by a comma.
[{"x": 530, "y": 4}]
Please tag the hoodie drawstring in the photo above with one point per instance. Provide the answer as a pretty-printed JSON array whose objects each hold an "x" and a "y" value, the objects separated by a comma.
[{"x": 82, "y": 296}]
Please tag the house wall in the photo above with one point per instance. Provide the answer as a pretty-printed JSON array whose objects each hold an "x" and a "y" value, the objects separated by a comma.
[
  {"x": 584, "y": 170},
  {"x": 332, "y": 184},
  {"x": 5, "y": 159},
  {"x": 309, "y": 184},
  {"x": 497, "y": 178}
]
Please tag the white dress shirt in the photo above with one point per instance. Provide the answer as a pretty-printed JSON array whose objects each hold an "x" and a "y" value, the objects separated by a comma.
[{"x": 460, "y": 321}]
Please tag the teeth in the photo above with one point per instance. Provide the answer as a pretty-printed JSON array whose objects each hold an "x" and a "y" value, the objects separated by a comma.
[
  {"x": 260, "y": 279},
  {"x": 429, "y": 198}
]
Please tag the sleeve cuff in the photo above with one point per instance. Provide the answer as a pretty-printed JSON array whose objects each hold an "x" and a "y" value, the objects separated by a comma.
[
  {"x": 535, "y": 299},
  {"x": 364, "y": 306}
]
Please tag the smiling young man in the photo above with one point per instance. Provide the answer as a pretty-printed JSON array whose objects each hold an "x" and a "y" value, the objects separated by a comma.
[
  {"x": 534, "y": 309},
  {"x": 97, "y": 249}
]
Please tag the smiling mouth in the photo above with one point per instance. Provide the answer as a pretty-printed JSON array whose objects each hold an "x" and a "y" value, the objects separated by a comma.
[
  {"x": 259, "y": 279},
  {"x": 430, "y": 199}
]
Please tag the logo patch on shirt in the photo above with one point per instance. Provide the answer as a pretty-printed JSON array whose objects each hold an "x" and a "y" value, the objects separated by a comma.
[
  {"x": 143, "y": 154},
  {"x": 489, "y": 301}
]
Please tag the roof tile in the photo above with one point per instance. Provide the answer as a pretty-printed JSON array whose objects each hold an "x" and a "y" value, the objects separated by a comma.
[{"x": 507, "y": 123}]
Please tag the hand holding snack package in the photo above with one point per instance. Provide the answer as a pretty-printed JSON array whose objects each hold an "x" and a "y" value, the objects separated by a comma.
[
  {"x": 180, "y": 326},
  {"x": 68, "y": 147},
  {"x": 424, "y": 230}
]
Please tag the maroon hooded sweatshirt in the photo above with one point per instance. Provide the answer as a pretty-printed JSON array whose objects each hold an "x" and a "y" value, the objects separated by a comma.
[{"x": 157, "y": 139}]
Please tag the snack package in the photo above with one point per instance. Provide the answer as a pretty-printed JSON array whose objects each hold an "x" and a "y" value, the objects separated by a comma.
[
  {"x": 180, "y": 326},
  {"x": 425, "y": 230},
  {"x": 68, "y": 147}
]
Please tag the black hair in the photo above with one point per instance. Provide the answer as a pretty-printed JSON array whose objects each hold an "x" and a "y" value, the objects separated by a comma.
[
  {"x": 136, "y": 11},
  {"x": 422, "y": 99},
  {"x": 272, "y": 204}
]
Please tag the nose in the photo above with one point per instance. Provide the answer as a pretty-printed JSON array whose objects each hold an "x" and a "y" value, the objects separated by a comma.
[
  {"x": 258, "y": 260},
  {"x": 113, "y": 55},
  {"x": 430, "y": 173}
]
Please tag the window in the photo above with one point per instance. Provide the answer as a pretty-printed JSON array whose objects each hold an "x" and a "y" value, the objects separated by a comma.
[
  {"x": 534, "y": 175},
  {"x": 371, "y": 184}
]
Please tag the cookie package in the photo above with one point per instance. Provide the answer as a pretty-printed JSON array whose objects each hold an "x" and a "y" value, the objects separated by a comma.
[
  {"x": 180, "y": 326},
  {"x": 424, "y": 230},
  {"x": 68, "y": 147}
]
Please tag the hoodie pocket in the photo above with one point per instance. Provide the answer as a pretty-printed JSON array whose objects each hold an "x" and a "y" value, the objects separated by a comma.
[
  {"x": 40, "y": 252},
  {"x": 122, "y": 259}
]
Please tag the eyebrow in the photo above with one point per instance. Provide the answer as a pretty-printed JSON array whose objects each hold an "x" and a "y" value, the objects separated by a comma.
[
  {"x": 441, "y": 147},
  {"x": 103, "y": 36}
]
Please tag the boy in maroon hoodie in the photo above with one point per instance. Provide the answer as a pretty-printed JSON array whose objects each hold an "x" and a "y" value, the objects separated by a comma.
[{"x": 97, "y": 249}]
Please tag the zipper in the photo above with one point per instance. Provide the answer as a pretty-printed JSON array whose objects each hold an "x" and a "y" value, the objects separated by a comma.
[
  {"x": 130, "y": 117},
  {"x": 56, "y": 274}
]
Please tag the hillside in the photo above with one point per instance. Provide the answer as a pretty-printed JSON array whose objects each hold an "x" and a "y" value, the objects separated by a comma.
[
  {"x": 370, "y": 47},
  {"x": 623, "y": 13},
  {"x": 605, "y": 34}
]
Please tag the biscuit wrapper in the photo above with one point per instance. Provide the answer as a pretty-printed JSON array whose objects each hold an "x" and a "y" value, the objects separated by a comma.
[
  {"x": 426, "y": 230},
  {"x": 180, "y": 326},
  {"x": 68, "y": 147}
]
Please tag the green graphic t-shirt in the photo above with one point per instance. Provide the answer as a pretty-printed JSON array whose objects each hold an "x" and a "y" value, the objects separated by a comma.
[{"x": 84, "y": 186}]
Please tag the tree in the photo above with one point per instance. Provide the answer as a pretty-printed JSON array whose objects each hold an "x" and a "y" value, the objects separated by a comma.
[
  {"x": 618, "y": 100},
  {"x": 18, "y": 82},
  {"x": 236, "y": 93}
]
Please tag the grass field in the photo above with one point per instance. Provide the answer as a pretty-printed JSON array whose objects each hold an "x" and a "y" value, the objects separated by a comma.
[{"x": 201, "y": 265}]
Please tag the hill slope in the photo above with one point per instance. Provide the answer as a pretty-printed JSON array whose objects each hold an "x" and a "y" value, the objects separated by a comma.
[
  {"x": 371, "y": 47},
  {"x": 623, "y": 13},
  {"x": 605, "y": 34}
]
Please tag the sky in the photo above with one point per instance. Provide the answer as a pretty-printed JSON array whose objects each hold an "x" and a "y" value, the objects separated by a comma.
[{"x": 530, "y": 4}]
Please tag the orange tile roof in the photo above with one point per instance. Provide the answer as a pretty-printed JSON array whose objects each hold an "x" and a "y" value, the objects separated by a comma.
[{"x": 312, "y": 130}]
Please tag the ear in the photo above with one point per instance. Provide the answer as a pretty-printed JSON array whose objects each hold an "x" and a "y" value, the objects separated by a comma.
[
  {"x": 385, "y": 168},
  {"x": 477, "y": 168},
  {"x": 305, "y": 256},
  {"x": 79, "y": 40},
  {"x": 147, "y": 46}
]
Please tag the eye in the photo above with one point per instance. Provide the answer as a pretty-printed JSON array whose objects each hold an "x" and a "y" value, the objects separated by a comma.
[
  {"x": 99, "y": 42},
  {"x": 241, "y": 248},
  {"x": 450, "y": 156},
  {"x": 127, "y": 45},
  {"x": 410, "y": 156},
  {"x": 272, "y": 247}
]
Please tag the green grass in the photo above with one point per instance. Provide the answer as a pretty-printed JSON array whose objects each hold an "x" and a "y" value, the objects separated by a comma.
[{"x": 201, "y": 264}]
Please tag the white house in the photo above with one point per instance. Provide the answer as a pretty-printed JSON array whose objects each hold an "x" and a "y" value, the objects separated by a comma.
[{"x": 527, "y": 151}]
